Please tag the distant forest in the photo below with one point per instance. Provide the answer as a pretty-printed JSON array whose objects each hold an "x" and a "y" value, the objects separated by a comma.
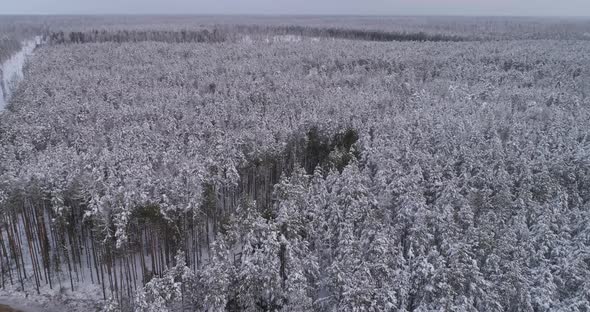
[{"x": 223, "y": 34}]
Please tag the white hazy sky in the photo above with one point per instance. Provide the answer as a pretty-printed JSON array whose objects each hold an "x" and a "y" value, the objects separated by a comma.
[{"x": 323, "y": 7}]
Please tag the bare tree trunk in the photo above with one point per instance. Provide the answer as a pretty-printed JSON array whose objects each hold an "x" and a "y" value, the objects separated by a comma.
[
  {"x": 67, "y": 257},
  {"x": 5, "y": 253},
  {"x": 31, "y": 248}
]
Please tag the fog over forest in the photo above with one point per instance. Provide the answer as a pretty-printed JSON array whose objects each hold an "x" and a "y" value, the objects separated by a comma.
[{"x": 305, "y": 7}]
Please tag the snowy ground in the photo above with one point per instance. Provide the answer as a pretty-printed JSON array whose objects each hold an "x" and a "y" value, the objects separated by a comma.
[
  {"x": 7, "y": 303},
  {"x": 52, "y": 300},
  {"x": 12, "y": 70}
]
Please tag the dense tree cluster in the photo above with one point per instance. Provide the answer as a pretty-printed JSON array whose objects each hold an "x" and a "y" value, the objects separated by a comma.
[
  {"x": 235, "y": 33},
  {"x": 330, "y": 176},
  {"x": 120, "y": 36},
  {"x": 345, "y": 33}
]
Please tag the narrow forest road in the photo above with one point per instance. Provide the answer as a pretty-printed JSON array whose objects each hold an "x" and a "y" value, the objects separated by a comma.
[{"x": 12, "y": 70}]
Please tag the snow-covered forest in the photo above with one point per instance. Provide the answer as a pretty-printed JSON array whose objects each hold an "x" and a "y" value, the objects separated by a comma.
[{"x": 299, "y": 167}]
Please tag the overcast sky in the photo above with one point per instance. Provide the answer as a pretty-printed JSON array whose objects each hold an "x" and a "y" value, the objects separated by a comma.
[{"x": 327, "y": 7}]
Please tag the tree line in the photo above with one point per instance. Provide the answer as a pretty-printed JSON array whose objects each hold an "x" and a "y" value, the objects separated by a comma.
[
  {"x": 223, "y": 33},
  {"x": 204, "y": 35}
]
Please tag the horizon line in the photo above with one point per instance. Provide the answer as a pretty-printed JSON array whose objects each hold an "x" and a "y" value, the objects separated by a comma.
[{"x": 293, "y": 15}]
